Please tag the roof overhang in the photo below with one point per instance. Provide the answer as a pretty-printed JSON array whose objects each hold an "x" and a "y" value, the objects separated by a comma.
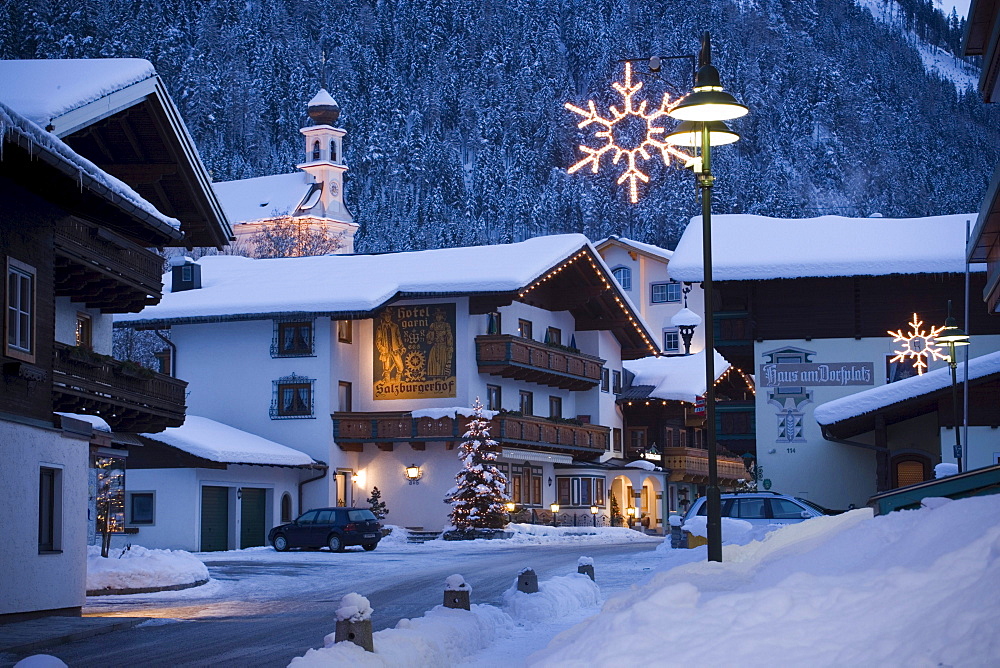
[
  {"x": 137, "y": 135},
  {"x": 982, "y": 38}
]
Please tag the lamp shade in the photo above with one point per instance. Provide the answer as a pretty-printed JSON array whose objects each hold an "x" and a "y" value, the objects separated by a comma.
[
  {"x": 708, "y": 102},
  {"x": 688, "y": 133},
  {"x": 951, "y": 334}
]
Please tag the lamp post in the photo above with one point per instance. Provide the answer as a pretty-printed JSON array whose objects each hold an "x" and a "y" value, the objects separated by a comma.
[
  {"x": 954, "y": 337},
  {"x": 593, "y": 512},
  {"x": 554, "y": 507},
  {"x": 703, "y": 113}
]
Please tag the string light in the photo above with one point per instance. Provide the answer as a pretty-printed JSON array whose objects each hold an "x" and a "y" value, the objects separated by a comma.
[
  {"x": 918, "y": 345},
  {"x": 651, "y": 143}
]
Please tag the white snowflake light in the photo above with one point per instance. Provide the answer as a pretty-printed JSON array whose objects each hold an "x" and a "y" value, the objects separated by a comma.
[
  {"x": 614, "y": 141},
  {"x": 918, "y": 345}
]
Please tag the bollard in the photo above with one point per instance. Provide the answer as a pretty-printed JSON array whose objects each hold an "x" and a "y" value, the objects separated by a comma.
[
  {"x": 456, "y": 593},
  {"x": 585, "y": 566},
  {"x": 527, "y": 581},
  {"x": 354, "y": 622}
]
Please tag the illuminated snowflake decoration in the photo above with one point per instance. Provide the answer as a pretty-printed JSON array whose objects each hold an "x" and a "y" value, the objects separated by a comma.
[
  {"x": 612, "y": 134},
  {"x": 918, "y": 345}
]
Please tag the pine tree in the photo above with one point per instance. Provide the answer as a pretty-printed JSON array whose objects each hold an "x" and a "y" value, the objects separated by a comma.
[
  {"x": 616, "y": 512},
  {"x": 481, "y": 488},
  {"x": 377, "y": 505}
]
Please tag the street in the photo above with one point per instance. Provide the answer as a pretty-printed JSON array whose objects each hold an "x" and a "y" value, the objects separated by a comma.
[{"x": 263, "y": 609}]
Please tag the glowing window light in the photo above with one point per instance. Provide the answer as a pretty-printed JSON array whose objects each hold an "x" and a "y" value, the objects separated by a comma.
[
  {"x": 651, "y": 143},
  {"x": 918, "y": 345}
]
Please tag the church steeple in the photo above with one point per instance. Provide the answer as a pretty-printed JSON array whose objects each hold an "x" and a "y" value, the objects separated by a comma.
[{"x": 324, "y": 160}]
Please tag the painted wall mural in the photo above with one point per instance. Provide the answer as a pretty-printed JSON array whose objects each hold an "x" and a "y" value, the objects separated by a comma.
[{"x": 414, "y": 352}]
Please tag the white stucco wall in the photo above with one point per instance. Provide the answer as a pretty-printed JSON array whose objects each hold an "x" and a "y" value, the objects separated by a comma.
[
  {"x": 33, "y": 581},
  {"x": 833, "y": 474},
  {"x": 65, "y": 330}
]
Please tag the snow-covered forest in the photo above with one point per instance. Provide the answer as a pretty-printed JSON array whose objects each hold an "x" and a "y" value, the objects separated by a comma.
[{"x": 454, "y": 108}]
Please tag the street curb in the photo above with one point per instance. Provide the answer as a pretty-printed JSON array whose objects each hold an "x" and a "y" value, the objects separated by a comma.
[{"x": 145, "y": 590}]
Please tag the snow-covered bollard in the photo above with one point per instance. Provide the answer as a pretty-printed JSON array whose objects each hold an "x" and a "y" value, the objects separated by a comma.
[
  {"x": 585, "y": 565},
  {"x": 527, "y": 581},
  {"x": 354, "y": 621},
  {"x": 456, "y": 592}
]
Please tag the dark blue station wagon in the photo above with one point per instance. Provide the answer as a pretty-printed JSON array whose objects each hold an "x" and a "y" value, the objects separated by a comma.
[{"x": 335, "y": 528}]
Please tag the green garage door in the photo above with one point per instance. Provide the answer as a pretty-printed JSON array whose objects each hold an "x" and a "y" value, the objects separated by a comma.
[
  {"x": 252, "y": 517},
  {"x": 214, "y": 519}
]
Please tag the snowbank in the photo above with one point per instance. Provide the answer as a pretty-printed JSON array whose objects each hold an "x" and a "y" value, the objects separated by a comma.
[
  {"x": 912, "y": 588},
  {"x": 140, "y": 568},
  {"x": 445, "y": 636}
]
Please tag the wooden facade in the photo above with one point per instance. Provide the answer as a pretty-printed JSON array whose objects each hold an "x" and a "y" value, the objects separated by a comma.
[{"x": 525, "y": 359}]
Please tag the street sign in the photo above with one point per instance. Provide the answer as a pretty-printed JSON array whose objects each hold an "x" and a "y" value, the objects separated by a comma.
[{"x": 699, "y": 404}]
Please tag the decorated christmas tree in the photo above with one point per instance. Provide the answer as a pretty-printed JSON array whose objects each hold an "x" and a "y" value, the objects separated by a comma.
[
  {"x": 377, "y": 505},
  {"x": 616, "y": 513},
  {"x": 481, "y": 488}
]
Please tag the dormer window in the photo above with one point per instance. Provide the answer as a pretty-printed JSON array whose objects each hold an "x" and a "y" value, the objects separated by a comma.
[{"x": 315, "y": 150}]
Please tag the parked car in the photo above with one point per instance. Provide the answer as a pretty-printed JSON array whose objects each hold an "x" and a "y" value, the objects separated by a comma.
[
  {"x": 335, "y": 528},
  {"x": 760, "y": 508}
]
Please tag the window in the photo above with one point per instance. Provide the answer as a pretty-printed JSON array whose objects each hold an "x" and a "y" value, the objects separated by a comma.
[
  {"x": 616, "y": 439},
  {"x": 293, "y": 339},
  {"x": 671, "y": 341},
  {"x": 527, "y": 405},
  {"x": 141, "y": 508},
  {"x": 163, "y": 361},
  {"x": 553, "y": 335},
  {"x": 624, "y": 277},
  {"x": 562, "y": 491},
  {"x": 493, "y": 398},
  {"x": 315, "y": 150},
  {"x": 49, "y": 509},
  {"x": 616, "y": 382},
  {"x": 333, "y": 151},
  {"x": 493, "y": 324},
  {"x": 586, "y": 487},
  {"x": 605, "y": 380},
  {"x": 749, "y": 509},
  {"x": 598, "y": 491},
  {"x": 661, "y": 293},
  {"x": 526, "y": 484},
  {"x": 84, "y": 330},
  {"x": 292, "y": 398},
  {"x": 344, "y": 399},
  {"x": 286, "y": 508},
  {"x": 20, "y": 310},
  {"x": 555, "y": 407},
  {"x": 345, "y": 331},
  {"x": 739, "y": 422},
  {"x": 524, "y": 329},
  {"x": 783, "y": 509},
  {"x": 637, "y": 439}
]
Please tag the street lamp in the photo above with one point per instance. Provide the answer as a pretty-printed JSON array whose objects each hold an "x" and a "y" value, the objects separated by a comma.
[
  {"x": 593, "y": 513},
  {"x": 554, "y": 507},
  {"x": 953, "y": 337},
  {"x": 707, "y": 106}
]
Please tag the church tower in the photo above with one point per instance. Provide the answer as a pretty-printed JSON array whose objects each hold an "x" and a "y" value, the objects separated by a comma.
[{"x": 324, "y": 160}]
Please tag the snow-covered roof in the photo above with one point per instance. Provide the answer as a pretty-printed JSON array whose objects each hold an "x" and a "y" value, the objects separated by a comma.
[
  {"x": 685, "y": 318},
  {"x": 675, "y": 378},
  {"x": 322, "y": 98},
  {"x": 233, "y": 285},
  {"x": 649, "y": 249},
  {"x": 41, "y": 90},
  {"x": 869, "y": 401},
  {"x": 218, "y": 442},
  {"x": 52, "y": 149},
  {"x": 746, "y": 247},
  {"x": 249, "y": 200},
  {"x": 96, "y": 421}
]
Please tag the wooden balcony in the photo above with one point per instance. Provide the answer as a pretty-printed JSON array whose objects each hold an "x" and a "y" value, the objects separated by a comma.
[
  {"x": 129, "y": 399},
  {"x": 104, "y": 270},
  {"x": 352, "y": 431},
  {"x": 691, "y": 465},
  {"x": 532, "y": 361}
]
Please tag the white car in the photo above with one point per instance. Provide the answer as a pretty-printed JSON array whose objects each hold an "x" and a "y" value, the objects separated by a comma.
[{"x": 761, "y": 508}]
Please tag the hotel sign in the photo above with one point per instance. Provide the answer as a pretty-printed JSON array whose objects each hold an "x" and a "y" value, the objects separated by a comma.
[
  {"x": 829, "y": 374},
  {"x": 414, "y": 352}
]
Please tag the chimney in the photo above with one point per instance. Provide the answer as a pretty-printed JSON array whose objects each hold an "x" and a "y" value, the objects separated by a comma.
[{"x": 185, "y": 274}]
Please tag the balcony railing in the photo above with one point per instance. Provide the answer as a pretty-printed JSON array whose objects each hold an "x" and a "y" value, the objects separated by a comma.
[
  {"x": 386, "y": 430},
  {"x": 129, "y": 398},
  {"x": 691, "y": 465},
  {"x": 527, "y": 360},
  {"x": 103, "y": 269}
]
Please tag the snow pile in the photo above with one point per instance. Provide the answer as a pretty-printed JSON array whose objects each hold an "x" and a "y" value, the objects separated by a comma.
[
  {"x": 96, "y": 421},
  {"x": 141, "y": 568},
  {"x": 557, "y": 597},
  {"x": 40, "y": 661},
  {"x": 642, "y": 464},
  {"x": 912, "y": 588},
  {"x": 585, "y": 561},
  {"x": 398, "y": 536},
  {"x": 544, "y": 533},
  {"x": 446, "y": 636},
  {"x": 945, "y": 469},
  {"x": 734, "y": 531},
  {"x": 354, "y": 607},
  {"x": 456, "y": 583}
]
